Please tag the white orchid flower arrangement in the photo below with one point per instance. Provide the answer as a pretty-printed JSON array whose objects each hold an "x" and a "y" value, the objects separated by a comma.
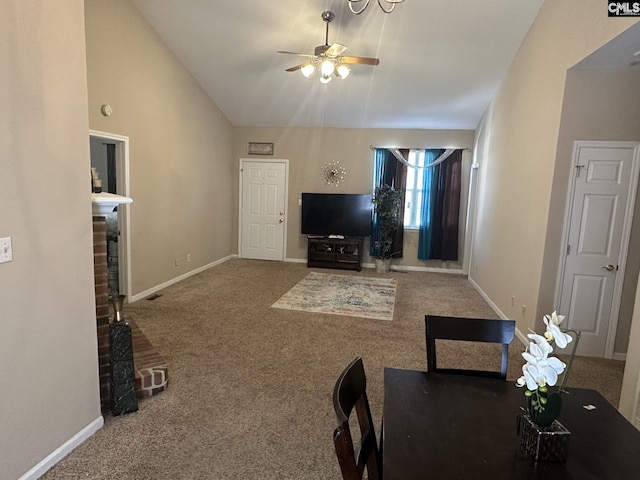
[{"x": 542, "y": 371}]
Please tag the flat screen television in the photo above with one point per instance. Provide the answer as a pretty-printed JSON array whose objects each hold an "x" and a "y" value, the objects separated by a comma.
[{"x": 336, "y": 214}]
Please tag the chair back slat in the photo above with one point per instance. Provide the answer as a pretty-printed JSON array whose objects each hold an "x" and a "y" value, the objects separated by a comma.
[
  {"x": 349, "y": 394},
  {"x": 472, "y": 330}
]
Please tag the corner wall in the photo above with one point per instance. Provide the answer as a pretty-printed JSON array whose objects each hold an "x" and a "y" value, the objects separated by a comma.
[
  {"x": 519, "y": 139},
  {"x": 180, "y": 145},
  {"x": 596, "y": 106},
  {"x": 48, "y": 347}
]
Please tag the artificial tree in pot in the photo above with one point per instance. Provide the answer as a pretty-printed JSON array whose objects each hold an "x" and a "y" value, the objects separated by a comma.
[{"x": 387, "y": 202}]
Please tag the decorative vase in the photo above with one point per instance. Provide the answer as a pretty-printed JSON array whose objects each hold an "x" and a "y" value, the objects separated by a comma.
[
  {"x": 549, "y": 444},
  {"x": 117, "y": 302},
  {"x": 383, "y": 265}
]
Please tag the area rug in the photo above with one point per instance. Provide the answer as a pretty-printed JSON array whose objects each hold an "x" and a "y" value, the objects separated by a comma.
[{"x": 366, "y": 297}]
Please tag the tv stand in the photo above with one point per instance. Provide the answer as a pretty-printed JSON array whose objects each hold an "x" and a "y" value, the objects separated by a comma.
[{"x": 330, "y": 252}]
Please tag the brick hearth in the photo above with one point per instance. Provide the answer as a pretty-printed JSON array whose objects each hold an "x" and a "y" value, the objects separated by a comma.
[{"x": 152, "y": 372}]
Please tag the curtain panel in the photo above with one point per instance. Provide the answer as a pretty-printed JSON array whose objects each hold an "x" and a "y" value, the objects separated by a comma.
[
  {"x": 389, "y": 171},
  {"x": 438, "y": 234}
]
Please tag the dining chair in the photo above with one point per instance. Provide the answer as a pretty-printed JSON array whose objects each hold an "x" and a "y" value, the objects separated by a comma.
[
  {"x": 472, "y": 330},
  {"x": 349, "y": 393}
]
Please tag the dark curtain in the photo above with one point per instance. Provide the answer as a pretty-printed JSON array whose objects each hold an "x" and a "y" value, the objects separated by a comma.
[
  {"x": 438, "y": 235},
  {"x": 389, "y": 171},
  {"x": 112, "y": 187}
]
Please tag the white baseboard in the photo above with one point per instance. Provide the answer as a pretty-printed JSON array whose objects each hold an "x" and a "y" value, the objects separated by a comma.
[
  {"x": 151, "y": 291},
  {"x": 408, "y": 268},
  {"x": 63, "y": 450},
  {"x": 296, "y": 260},
  {"x": 521, "y": 336}
]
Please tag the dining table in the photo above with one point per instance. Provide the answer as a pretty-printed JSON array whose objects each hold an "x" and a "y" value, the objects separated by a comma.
[{"x": 448, "y": 426}]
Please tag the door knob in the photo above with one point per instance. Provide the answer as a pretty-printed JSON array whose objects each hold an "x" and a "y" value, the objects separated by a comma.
[
  {"x": 609, "y": 268},
  {"x": 280, "y": 221}
]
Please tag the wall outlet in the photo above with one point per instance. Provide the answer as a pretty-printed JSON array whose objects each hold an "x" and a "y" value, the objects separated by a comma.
[
  {"x": 188, "y": 257},
  {"x": 6, "y": 250},
  {"x": 524, "y": 310},
  {"x": 513, "y": 300},
  {"x": 177, "y": 263}
]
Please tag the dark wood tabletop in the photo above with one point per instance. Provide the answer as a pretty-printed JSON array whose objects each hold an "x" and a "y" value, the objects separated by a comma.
[{"x": 459, "y": 427}]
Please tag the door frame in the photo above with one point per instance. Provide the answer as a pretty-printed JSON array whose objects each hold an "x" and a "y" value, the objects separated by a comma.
[
  {"x": 124, "y": 222},
  {"x": 625, "y": 235},
  {"x": 286, "y": 199}
]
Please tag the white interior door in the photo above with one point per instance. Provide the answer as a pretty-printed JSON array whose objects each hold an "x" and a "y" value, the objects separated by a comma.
[
  {"x": 263, "y": 209},
  {"x": 599, "y": 224}
]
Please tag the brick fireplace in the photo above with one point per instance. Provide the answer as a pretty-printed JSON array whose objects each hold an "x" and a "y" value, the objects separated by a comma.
[
  {"x": 102, "y": 306},
  {"x": 151, "y": 370}
]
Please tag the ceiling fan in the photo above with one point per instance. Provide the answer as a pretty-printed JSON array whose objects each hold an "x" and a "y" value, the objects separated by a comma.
[{"x": 328, "y": 59}]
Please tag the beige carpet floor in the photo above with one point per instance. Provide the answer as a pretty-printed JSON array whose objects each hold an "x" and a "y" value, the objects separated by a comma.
[{"x": 250, "y": 386}]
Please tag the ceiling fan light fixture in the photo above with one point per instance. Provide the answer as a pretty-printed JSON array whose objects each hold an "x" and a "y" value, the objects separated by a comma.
[
  {"x": 327, "y": 67},
  {"x": 328, "y": 59},
  {"x": 307, "y": 70},
  {"x": 389, "y": 4},
  {"x": 343, "y": 71}
]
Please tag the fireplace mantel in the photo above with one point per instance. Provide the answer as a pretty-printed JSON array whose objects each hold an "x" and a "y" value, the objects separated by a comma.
[{"x": 103, "y": 203}]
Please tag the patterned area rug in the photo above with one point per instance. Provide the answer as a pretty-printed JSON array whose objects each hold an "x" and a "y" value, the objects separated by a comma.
[{"x": 366, "y": 297}]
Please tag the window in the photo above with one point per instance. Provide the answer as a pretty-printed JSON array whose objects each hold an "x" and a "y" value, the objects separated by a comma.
[
  {"x": 414, "y": 192},
  {"x": 432, "y": 197}
]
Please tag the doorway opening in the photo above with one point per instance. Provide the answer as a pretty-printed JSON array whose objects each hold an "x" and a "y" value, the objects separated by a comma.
[{"x": 110, "y": 158}]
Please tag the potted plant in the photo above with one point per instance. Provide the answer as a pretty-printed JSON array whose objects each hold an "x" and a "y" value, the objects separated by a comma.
[
  {"x": 542, "y": 436},
  {"x": 388, "y": 202}
]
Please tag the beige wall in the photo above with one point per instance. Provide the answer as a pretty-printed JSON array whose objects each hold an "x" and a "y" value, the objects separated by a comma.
[
  {"x": 48, "y": 350},
  {"x": 596, "y": 106},
  {"x": 308, "y": 149},
  {"x": 180, "y": 145},
  {"x": 519, "y": 137},
  {"x": 518, "y": 154},
  {"x": 630, "y": 395}
]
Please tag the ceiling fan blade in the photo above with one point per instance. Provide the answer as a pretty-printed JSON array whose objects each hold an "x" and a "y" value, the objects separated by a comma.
[
  {"x": 296, "y": 68},
  {"x": 360, "y": 60},
  {"x": 298, "y": 54},
  {"x": 335, "y": 50}
]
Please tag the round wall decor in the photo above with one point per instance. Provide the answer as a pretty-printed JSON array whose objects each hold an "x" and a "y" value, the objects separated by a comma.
[{"x": 333, "y": 173}]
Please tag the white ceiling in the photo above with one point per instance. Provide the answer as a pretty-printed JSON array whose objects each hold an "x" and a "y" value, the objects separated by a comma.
[{"x": 441, "y": 61}]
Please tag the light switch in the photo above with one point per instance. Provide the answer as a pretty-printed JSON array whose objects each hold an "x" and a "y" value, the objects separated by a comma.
[{"x": 6, "y": 252}]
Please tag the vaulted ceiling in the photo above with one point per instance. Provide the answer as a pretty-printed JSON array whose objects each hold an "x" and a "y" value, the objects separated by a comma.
[{"x": 441, "y": 61}]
